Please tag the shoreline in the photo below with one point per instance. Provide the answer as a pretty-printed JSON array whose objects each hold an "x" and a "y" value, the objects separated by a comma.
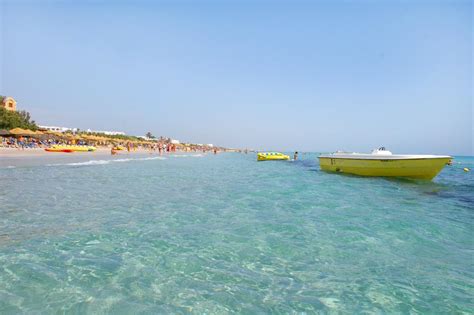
[
  {"x": 13, "y": 157},
  {"x": 40, "y": 152}
]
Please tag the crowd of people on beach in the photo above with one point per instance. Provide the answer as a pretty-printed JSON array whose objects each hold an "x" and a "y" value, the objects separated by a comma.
[
  {"x": 28, "y": 142},
  {"x": 160, "y": 146}
]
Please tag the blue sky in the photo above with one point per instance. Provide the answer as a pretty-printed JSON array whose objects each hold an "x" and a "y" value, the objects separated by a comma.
[{"x": 281, "y": 75}]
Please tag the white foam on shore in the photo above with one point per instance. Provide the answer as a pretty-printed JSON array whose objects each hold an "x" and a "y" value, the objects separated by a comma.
[
  {"x": 91, "y": 162},
  {"x": 104, "y": 162},
  {"x": 187, "y": 155}
]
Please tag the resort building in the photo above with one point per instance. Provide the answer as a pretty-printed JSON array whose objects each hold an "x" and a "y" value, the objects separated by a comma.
[
  {"x": 108, "y": 133},
  {"x": 57, "y": 129},
  {"x": 9, "y": 103},
  {"x": 74, "y": 130}
]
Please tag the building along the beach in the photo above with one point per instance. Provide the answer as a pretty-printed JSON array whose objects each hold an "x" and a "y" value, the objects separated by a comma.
[
  {"x": 57, "y": 129},
  {"x": 106, "y": 132},
  {"x": 9, "y": 103}
]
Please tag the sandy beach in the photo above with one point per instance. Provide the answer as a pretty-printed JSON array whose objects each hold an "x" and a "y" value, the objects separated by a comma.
[
  {"x": 38, "y": 152},
  {"x": 12, "y": 157}
]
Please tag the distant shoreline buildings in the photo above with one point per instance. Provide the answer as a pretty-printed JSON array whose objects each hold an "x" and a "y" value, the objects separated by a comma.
[
  {"x": 9, "y": 103},
  {"x": 74, "y": 130}
]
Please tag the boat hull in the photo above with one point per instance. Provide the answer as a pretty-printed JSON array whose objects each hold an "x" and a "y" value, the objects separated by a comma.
[
  {"x": 420, "y": 168},
  {"x": 273, "y": 159}
]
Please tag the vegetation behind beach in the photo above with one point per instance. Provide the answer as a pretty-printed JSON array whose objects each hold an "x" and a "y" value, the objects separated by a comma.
[{"x": 16, "y": 119}]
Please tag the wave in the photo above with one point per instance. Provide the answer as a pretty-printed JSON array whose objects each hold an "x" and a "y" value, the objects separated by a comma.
[
  {"x": 104, "y": 162},
  {"x": 187, "y": 155},
  {"x": 91, "y": 162},
  {"x": 139, "y": 159}
]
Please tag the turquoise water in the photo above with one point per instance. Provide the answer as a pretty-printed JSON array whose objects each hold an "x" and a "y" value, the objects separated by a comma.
[{"x": 222, "y": 234}]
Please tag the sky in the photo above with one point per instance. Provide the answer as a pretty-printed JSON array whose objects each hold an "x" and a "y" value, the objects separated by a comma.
[{"x": 270, "y": 75}]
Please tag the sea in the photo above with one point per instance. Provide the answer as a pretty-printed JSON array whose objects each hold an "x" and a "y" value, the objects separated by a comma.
[{"x": 201, "y": 233}]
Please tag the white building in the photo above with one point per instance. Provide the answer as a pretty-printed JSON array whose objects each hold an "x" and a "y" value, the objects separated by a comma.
[
  {"x": 57, "y": 129},
  {"x": 174, "y": 141},
  {"x": 64, "y": 129},
  {"x": 108, "y": 133},
  {"x": 146, "y": 138}
]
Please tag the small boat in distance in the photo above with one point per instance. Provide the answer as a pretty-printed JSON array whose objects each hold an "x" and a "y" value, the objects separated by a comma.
[
  {"x": 383, "y": 163},
  {"x": 272, "y": 156}
]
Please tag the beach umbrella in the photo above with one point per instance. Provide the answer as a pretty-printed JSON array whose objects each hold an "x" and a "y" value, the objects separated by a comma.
[
  {"x": 4, "y": 132},
  {"x": 51, "y": 132},
  {"x": 55, "y": 133},
  {"x": 28, "y": 132},
  {"x": 38, "y": 133},
  {"x": 35, "y": 134},
  {"x": 68, "y": 135},
  {"x": 17, "y": 131},
  {"x": 44, "y": 135},
  {"x": 21, "y": 132}
]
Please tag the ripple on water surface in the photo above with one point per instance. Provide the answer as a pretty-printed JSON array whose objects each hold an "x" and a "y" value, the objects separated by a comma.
[{"x": 224, "y": 234}]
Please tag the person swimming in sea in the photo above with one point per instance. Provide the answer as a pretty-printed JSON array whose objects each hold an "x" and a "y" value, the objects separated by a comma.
[{"x": 295, "y": 156}]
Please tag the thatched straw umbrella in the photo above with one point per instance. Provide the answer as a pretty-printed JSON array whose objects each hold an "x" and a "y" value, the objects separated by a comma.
[
  {"x": 37, "y": 134},
  {"x": 50, "y": 132},
  {"x": 21, "y": 132}
]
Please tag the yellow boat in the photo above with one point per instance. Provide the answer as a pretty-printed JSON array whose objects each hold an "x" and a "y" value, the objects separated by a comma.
[
  {"x": 272, "y": 156},
  {"x": 384, "y": 164},
  {"x": 75, "y": 148}
]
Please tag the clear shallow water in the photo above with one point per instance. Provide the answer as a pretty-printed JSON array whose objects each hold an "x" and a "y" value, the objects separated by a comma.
[{"x": 220, "y": 234}]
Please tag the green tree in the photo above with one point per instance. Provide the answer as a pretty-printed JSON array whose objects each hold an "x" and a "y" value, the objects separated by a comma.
[
  {"x": 11, "y": 119},
  {"x": 149, "y": 135}
]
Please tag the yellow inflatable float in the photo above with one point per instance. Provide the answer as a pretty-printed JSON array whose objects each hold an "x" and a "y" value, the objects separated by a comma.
[
  {"x": 75, "y": 148},
  {"x": 272, "y": 156}
]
